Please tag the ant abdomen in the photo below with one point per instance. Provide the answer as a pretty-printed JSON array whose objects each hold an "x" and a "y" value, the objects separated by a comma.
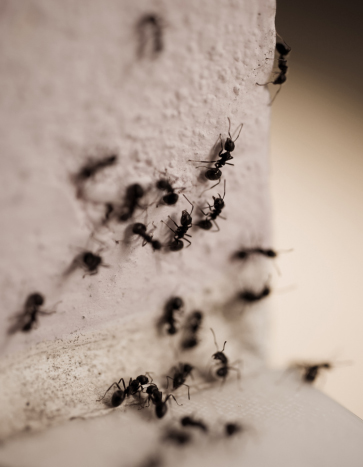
[
  {"x": 213, "y": 174},
  {"x": 205, "y": 224},
  {"x": 176, "y": 245},
  {"x": 117, "y": 398}
]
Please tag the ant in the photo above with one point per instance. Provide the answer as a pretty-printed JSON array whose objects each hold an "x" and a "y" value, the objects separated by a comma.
[
  {"x": 133, "y": 194},
  {"x": 178, "y": 437},
  {"x": 223, "y": 370},
  {"x": 181, "y": 231},
  {"x": 232, "y": 428},
  {"x": 140, "y": 229},
  {"x": 311, "y": 371},
  {"x": 156, "y": 397},
  {"x": 190, "y": 421},
  {"x": 194, "y": 322},
  {"x": 153, "y": 23},
  {"x": 248, "y": 296},
  {"x": 215, "y": 211},
  {"x": 29, "y": 316},
  {"x": 216, "y": 173},
  {"x": 283, "y": 50},
  {"x": 181, "y": 372},
  {"x": 91, "y": 168},
  {"x": 88, "y": 261},
  {"x": 171, "y": 197},
  {"x": 135, "y": 385},
  {"x": 172, "y": 305},
  {"x": 267, "y": 252}
]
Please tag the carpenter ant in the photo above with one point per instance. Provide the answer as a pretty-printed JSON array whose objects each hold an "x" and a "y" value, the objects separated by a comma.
[
  {"x": 215, "y": 211},
  {"x": 181, "y": 231},
  {"x": 223, "y": 370},
  {"x": 283, "y": 50},
  {"x": 29, "y": 316},
  {"x": 133, "y": 195},
  {"x": 134, "y": 386},
  {"x": 178, "y": 437},
  {"x": 156, "y": 398},
  {"x": 192, "y": 326},
  {"x": 216, "y": 173},
  {"x": 148, "y": 25},
  {"x": 232, "y": 428},
  {"x": 181, "y": 372},
  {"x": 248, "y": 296},
  {"x": 173, "y": 305},
  {"x": 140, "y": 229},
  {"x": 171, "y": 197},
  {"x": 91, "y": 168},
  {"x": 190, "y": 421}
]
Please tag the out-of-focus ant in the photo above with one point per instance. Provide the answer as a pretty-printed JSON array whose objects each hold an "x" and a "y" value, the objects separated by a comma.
[
  {"x": 232, "y": 428},
  {"x": 224, "y": 368},
  {"x": 180, "y": 374},
  {"x": 249, "y": 296},
  {"x": 90, "y": 169},
  {"x": 150, "y": 26},
  {"x": 156, "y": 397},
  {"x": 132, "y": 198},
  {"x": 173, "y": 305},
  {"x": 26, "y": 320},
  {"x": 215, "y": 173},
  {"x": 140, "y": 229},
  {"x": 191, "y": 328},
  {"x": 267, "y": 252},
  {"x": 177, "y": 437},
  {"x": 215, "y": 211},
  {"x": 181, "y": 231},
  {"x": 135, "y": 386},
  {"x": 190, "y": 421},
  {"x": 310, "y": 371},
  {"x": 88, "y": 261},
  {"x": 171, "y": 197},
  {"x": 283, "y": 50}
]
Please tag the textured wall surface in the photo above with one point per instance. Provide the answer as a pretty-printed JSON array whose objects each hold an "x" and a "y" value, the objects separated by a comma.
[{"x": 73, "y": 87}]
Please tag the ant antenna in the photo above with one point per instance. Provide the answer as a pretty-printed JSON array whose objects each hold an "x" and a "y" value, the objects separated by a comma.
[
  {"x": 215, "y": 340},
  {"x": 229, "y": 130},
  {"x": 225, "y": 342},
  {"x": 219, "y": 181},
  {"x": 224, "y": 193},
  {"x": 192, "y": 205}
]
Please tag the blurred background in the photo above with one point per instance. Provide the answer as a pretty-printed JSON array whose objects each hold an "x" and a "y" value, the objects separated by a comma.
[{"x": 317, "y": 194}]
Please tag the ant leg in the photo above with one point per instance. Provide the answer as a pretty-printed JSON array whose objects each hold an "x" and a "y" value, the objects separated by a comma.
[
  {"x": 144, "y": 242},
  {"x": 216, "y": 226},
  {"x": 123, "y": 382},
  {"x": 211, "y": 187},
  {"x": 149, "y": 375},
  {"x": 187, "y": 235},
  {"x": 192, "y": 205},
  {"x": 227, "y": 163},
  {"x": 188, "y": 242},
  {"x": 168, "y": 226},
  {"x": 203, "y": 211},
  {"x": 224, "y": 218},
  {"x": 220, "y": 152},
  {"x": 167, "y": 381},
  {"x": 98, "y": 400},
  {"x": 171, "y": 395},
  {"x": 188, "y": 390},
  {"x": 173, "y": 221},
  {"x": 276, "y": 94},
  {"x": 204, "y": 162},
  {"x": 270, "y": 82}
]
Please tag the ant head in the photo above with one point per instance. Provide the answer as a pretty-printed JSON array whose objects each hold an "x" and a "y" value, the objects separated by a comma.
[
  {"x": 270, "y": 253},
  {"x": 135, "y": 191},
  {"x": 176, "y": 303},
  {"x": 229, "y": 145},
  {"x": 156, "y": 244},
  {"x": 218, "y": 203},
  {"x": 35, "y": 299},
  {"x": 197, "y": 315},
  {"x": 91, "y": 261},
  {"x": 170, "y": 198},
  {"x": 142, "y": 379},
  {"x": 232, "y": 428},
  {"x": 186, "y": 218},
  {"x": 138, "y": 228},
  {"x": 266, "y": 291},
  {"x": 187, "y": 368},
  {"x": 162, "y": 184},
  {"x": 283, "y": 48}
]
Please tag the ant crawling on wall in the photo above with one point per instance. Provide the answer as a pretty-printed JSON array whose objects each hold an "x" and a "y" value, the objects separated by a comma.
[
  {"x": 192, "y": 326},
  {"x": 150, "y": 26},
  {"x": 171, "y": 197},
  {"x": 310, "y": 371},
  {"x": 283, "y": 50},
  {"x": 156, "y": 397},
  {"x": 224, "y": 368},
  {"x": 190, "y": 421},
  {"x": 215, "y": 211},
  {"x": 181, "y": 372},
  {"x": 267, "y": 252},
  {"x": 26, "y": 320},
  {"x": 181, "y": 231},
  {"x": 135, "y": 386},
  {"x": 215, "y": 173},
  {"x": 173, "y": 305},
  {"x": 140, "y": 229},
  {"x": 249, "y": 296},
  {"x": 90, "y": 169},
  {"x": 232, "y": 428},
  {"x": 88, "y": 261},
  {"x": 132, "y": 198}
]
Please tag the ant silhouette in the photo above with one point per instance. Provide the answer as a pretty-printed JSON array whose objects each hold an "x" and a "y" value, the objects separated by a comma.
[
  {"x": 88, "y": 261},
  {"x": 267, "y": 252},
  {"x": 90, "y": 169},
  {"x": 283, "y": 49},
  {"x": 232, "y": 428},
  {"x": 29, "y": 316},
  {"x": 152, "y": 23},
  {"x": 223, "y": 370},
  {"x": 173, "y": 305},
  {"x": 177, "y": 437},
  {"x": 249, "y": 296},
  {"x": 215, "y": 211},
  {"x": 181, "y": 231},
  {"x": 310, "y": 371},
  {"x": 156, "y": 397},
  {"x": 133, "y": 194},
  {"x": 192, "y": 326},
  {"x": 135, "y": 386},
  {"x": 181, "y": 372},
  {"x": 190, "y": 421},
  {"x": 140, "y": 229},
  {"x": 171, "y": 197},
  {"x": 215, "y": 173}
]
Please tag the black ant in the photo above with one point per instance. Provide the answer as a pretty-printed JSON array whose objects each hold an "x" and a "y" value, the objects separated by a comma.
[
  {"x": 181, "y": 231},
  {"x": 133, "y": 195},
  {"x": 153, "y": 23},
  {"x": 88, "y": 261},
  {"x": 246, "y": 253},
  {"x": 283, "y": 50},
  {"x": 311, "y": 371},
  {"x": 171, "y": 197},
  {"x": 29, "y": 316},
  {"x": 248, "y": 296},
  {"x": 223, "y": 370},
  {"x": 192, "y": 326},
  {"x": 190, "y": 421},
  {"x": 140, "y": 229},
  {"x": 91, "y": 168},
  {"x": 215, "y": 211},
  {"x": 232, "y": 428},
  {"x": 178, "y": 437},
  {"x": 173, "y": 305},
  {"x": 181, "y": 372},
  {"x": 216, "y": 173},
  {"x": 134, "y": 386},
  {"x": 156, "y": 397}
]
